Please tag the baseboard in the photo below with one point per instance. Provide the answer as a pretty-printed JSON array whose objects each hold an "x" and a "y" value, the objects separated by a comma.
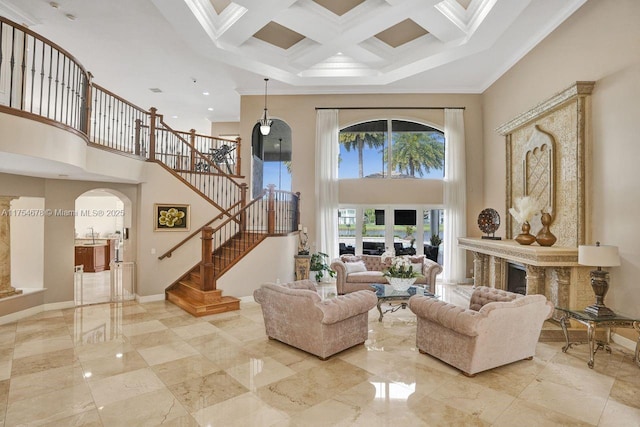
[
  {"x": 624, "y": 342},
  {"x": 58, "y": 305},
  {"x": 150, "y": 298},
  {"x": 248, "y": 298}
]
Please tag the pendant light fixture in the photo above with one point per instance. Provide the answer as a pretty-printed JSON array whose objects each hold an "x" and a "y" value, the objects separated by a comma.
[{"x": 265, "y": 122}]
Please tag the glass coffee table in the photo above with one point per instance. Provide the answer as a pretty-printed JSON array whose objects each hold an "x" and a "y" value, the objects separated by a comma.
[{"x": 386, "y": 294}]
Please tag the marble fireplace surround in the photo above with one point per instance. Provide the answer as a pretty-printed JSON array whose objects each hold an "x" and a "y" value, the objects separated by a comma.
[{"x": 551, "y": 271}]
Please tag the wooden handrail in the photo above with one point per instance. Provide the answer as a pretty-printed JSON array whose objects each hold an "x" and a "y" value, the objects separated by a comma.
[{"x": 168, "y": 253}]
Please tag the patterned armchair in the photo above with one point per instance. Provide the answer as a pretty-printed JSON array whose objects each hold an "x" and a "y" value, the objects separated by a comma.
[
  {"x": 499, "y": 327},
  {"x": 295, "y": 314}
]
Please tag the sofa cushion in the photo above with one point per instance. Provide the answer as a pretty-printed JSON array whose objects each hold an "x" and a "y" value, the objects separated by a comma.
[
  {"x": 351, "y": 258},
  {"x": 367, "y": 277},
  {"x": 417, "y": 267},
  {"x": 355, "y": 267}
]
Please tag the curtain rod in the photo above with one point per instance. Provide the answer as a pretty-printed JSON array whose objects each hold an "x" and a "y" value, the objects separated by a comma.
[{"x": 390, "y": 108}]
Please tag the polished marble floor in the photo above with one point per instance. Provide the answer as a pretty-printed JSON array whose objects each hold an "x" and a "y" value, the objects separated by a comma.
[{"x": 150, "y": 364}]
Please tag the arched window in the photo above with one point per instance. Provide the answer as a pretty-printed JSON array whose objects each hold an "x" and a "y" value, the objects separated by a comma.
[
  {"x": 271, "y": 157},
  {"x": 415, "y": 150}
]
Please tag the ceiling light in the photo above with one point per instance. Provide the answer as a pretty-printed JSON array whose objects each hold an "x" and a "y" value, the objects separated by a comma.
[
  {"x": 54, "y": 5},
  {"x": 70, "y": 17},
  {"x": 174, "y": 117},
  {"x": 265, "y": 123},
  {"x": 205, "y": 93},
  {"x": 210, "y": 108}
]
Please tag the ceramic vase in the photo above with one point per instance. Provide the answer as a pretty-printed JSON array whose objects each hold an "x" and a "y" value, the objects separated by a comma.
[
  {"x": 401, "y": 283},
  {"x": 545, "y": 237},
  {"x": 525, "y": 238}
]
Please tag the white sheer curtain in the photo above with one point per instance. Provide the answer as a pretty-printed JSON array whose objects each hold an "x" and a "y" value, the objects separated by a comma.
[
  {"x": 455, "y": 196},
  {"x": 327, "y": 152}
]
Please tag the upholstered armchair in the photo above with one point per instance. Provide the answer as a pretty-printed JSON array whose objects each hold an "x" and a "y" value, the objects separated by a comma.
[
  {"x": 498, "y": 328},
  {"x": 295, "y": 314}
]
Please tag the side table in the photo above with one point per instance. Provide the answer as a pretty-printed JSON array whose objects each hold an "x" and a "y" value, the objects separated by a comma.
[
  {"x": 302, "y": 263},
  {"x": 592, "y": 323}
]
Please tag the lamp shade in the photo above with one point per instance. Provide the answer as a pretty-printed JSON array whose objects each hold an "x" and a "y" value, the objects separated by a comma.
[{"x": 598, "y": 255}]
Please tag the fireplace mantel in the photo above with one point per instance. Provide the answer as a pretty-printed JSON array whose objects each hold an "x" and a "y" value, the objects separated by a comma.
[
  {"x": 551, "y": 271},
  {"x": 539, "y": 256}
]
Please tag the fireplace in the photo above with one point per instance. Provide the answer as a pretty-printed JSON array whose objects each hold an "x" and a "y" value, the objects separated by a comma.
[{"x": 516, "y": 278}]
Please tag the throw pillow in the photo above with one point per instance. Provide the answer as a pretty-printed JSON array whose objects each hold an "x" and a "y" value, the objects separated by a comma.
[
  {"x": 355, "y": 267},
  {"x": 417, "y": 267},
  {"x": 351, "y": 258}
]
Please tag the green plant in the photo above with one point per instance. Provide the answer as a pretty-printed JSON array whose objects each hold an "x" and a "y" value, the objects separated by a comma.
[
  {"x": 319, "y": 264},
  {"x": 401, "y": 267},
  {"x": 435, "y": 240}
]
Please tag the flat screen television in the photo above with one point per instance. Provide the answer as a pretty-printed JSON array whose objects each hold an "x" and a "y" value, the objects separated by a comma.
[{"x": 404, "y": 217}]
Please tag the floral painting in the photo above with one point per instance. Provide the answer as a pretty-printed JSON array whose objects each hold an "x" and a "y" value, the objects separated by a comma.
[{"x": 171, "y": 217}]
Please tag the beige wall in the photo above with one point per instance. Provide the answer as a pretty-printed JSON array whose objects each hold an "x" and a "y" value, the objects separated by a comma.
[
  {"x": 600, "y": 43},
  {"x": 299, "y": 112},
  {"x": 225, "y": 130}
]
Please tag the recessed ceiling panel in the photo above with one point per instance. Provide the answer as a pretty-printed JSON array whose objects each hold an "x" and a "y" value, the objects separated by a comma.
[
  {"x": 220, "y": 5},
  {"x": 339, "y": 7},
  {"x": 401, "y": 33},
  {"x": 464, "y": 3},
  {"x": 278, "y": 35}
]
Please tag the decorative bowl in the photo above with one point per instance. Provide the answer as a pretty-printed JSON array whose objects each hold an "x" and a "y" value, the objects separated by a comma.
[{"x": 401, "y": 283}]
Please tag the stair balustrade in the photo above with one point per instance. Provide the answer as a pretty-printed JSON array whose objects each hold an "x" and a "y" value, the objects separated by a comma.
[{"x": 41, "y": 81}]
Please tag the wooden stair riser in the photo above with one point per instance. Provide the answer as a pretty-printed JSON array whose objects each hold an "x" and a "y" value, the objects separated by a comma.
[
  {"x": 204, "y": 297},
  {"x": 198, "y": 309}
]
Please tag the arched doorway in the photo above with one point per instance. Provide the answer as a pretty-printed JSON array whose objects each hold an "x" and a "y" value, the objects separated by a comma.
[
  {"x": 101, "y": 259},
  {"x": 271, "y": 157}
]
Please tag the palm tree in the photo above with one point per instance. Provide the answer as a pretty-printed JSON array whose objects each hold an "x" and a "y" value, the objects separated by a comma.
[
  {"x": 357, "y": 140},
  {"x": 417, "y": 152}
]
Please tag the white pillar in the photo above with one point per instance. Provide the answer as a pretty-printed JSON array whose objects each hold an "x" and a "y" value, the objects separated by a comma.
[{"x": 5, "y": 248}]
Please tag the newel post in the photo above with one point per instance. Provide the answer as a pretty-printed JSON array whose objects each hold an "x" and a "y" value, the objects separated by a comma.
[
  {"x": 152, "y": 136},
  {"x": 271, "y": 209},
  {"x": 238, "y": 156},
  {"x": 192, "y": 157},
  {"x": 206, "y": 263}
]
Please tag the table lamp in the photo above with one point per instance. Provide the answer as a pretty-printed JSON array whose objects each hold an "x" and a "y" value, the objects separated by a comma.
[{"x": 599, "y": 256}]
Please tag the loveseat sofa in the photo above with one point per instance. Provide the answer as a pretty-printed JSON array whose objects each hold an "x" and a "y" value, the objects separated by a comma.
[
  {"x": 358, "y": 272},
  {"x": 499, "y": 327},
  {"x": 295, "y": 314}
]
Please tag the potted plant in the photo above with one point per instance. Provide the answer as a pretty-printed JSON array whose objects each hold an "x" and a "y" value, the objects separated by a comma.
[
  {"x": 318, "y": 263},
  {"x": 433, "y": 247}
]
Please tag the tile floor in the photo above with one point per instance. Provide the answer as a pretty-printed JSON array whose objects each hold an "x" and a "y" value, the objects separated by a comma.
[{"x": 151, "y": 364}]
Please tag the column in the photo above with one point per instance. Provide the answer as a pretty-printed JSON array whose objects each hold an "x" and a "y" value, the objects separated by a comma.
[
  {"x": 5, "y": 248},
  {"x": 535, "y": 280},
  {"x": 477, "y": 269}
]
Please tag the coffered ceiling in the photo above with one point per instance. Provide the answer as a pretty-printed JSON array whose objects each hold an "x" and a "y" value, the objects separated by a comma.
[{"x": 170, "y": 53}]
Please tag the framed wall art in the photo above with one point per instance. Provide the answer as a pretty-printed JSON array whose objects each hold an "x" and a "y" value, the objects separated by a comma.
[{"x": 171, "y": 217}]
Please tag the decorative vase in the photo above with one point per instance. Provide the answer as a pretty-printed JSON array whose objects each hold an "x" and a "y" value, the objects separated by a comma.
[
  {"x": 401, "y": 283},
  {"x": 545, "y": 237},
  {"x": 525, "y": 238}
]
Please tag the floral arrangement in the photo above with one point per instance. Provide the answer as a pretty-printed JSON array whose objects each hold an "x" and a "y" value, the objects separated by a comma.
[
  {"x": 401, "y": 268},
  {"x": 526, "y": 208}
]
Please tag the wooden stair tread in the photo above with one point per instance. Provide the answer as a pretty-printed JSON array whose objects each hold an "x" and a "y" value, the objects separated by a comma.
[{"x": 198, "y": 308}]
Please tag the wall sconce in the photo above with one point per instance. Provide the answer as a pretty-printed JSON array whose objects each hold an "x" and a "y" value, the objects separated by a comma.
[
  {"x": 599, "y": 256},
  {"x": 265, "y": 122}
]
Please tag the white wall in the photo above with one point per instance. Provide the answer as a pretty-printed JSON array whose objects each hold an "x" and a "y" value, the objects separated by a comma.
[{"x": 104, "y": 213}]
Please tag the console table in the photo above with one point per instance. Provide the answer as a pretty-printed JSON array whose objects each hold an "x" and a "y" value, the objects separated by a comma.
[{"x": 592, "y": 322}]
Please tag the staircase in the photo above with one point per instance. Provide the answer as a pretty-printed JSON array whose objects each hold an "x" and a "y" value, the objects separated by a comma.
[
  {"x": 188, "y": 293},
  {"x": 210, "y": 167}
]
